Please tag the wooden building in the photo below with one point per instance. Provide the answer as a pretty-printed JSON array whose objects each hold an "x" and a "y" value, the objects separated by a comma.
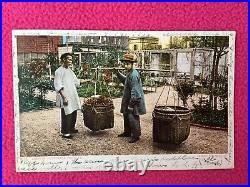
[{"x": 144, "y": 43}]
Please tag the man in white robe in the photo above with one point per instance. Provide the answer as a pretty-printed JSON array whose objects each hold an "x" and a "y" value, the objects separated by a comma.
[{"x": 65, "y": 84}]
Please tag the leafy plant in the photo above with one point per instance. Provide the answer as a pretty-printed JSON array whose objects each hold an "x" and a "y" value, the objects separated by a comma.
[
  {"x": 32, "y": 89},
  {"x": 213, "y": 116},
  {"x": 52, "y": 59},
  {"x": 33, "y": 103},
  {"x": 203, "y": 114},
  {"x": 185, "y": 89},
  {"x": 101, "y": 89},
  {"x": 43, "y": 85}
]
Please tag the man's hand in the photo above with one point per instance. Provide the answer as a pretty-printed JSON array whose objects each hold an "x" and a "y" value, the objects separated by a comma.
[
  {"x": 85, "y": 80},
  {"x": 65, "y": 101},
  {"x": 130, "y": 109}
]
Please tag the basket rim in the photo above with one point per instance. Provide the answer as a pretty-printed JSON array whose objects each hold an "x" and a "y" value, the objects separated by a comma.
[
  {"x": 178, "y": 110},
  {"x": 90, "y": 105}
]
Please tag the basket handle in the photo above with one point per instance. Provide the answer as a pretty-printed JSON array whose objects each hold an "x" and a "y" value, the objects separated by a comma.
[{"x": 153, "y": 114}]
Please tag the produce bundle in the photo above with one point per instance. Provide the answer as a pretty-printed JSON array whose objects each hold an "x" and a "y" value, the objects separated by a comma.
[
  {"x": 107, "y": 76},
  {"x": 99, "y": 101},
  {"x": 98, "y": 113}
]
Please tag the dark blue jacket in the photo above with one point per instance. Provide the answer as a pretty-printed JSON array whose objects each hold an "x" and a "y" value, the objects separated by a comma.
[{"x": 133, "y": 95}]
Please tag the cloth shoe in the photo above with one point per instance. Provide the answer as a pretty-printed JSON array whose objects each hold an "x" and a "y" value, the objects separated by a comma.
[
  {"x": 134, "y": 139},
  {"x": 125, "y": 134},
  {"x": 67, "y": 137}
]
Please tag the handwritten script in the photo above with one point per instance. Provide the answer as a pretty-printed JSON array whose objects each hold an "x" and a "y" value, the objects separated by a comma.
[{"x": 157, "y": 162}]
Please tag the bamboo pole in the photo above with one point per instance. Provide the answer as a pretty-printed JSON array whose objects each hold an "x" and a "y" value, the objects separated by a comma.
[{"x": 140, "y": 69}]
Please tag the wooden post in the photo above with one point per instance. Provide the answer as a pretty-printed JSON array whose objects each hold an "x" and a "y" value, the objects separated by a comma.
[
  {"x": 203, "y": 65},
  {"x": 174, "y": 63},
  {"x": 192, "y": 64},
  {"x": 80, "y": 59},
  {"x": 142, "y": 60},
  {"x": 96, "y": 77},
  {"x": 49, "y": 62},
  {"x": 176, "y": 60}
]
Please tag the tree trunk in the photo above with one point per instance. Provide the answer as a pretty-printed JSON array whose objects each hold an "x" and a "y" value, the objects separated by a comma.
[
  {"x": 184, "y": 102},
  {"x": 211, "y": 89},
  {"x": 216, "y": 79}
]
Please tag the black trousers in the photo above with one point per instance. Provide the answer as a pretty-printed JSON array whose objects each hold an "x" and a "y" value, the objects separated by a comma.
[
  {"x": 68, "y": 122},
  {"x": 132, "y": 124}
]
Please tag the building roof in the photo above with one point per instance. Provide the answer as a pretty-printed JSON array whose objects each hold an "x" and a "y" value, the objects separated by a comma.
[{"x": 144, "y": 37}]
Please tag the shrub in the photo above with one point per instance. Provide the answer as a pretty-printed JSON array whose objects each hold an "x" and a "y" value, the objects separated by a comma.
[
  {"x": 32, "y": 88},
  {"x": 52, "y": 59},
  {"x": 203, "y": 114},
  {"x": 33, "y": 103},
  {"x": 101, "y": 89},
  {"x": 43, "y": 85}
]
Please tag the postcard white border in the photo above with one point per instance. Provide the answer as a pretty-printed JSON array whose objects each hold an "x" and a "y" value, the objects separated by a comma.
[{"x": 95, "y": 162}]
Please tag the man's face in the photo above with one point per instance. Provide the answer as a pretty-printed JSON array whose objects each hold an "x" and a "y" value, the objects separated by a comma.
[
  {"x": 68, "y": 61},
  {"x": 128, "y": 66}
]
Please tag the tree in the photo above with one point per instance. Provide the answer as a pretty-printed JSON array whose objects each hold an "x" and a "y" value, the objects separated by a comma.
[
  {"x": 220, "y": 49},
  {"x": 52, "y": 59},
  {"x": 219, "y": 44}
]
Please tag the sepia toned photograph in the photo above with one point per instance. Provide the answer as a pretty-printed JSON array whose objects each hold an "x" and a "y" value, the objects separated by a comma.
[{"x": 137, "y": 100}]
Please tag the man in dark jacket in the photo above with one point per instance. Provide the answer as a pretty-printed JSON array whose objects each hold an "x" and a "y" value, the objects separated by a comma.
[{"x": 133, "y": 103}]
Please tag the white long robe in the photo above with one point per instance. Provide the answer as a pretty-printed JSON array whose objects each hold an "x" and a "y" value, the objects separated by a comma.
[{"x": 66, "y": 80}]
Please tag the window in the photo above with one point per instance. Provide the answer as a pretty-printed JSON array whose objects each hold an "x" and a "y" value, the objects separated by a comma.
[
  {"x": 27, "y": 57},
  {"x": 135, "y": 47},
  {"x": 41, "y": 56},
  {"x": 34, "y": 55},
  {"x": 20, "y": 57}
]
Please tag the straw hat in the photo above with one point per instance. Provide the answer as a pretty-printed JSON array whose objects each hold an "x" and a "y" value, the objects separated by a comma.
[{"x": 128, "y": 57}]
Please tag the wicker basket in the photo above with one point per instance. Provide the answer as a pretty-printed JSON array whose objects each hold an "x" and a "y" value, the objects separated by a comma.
[
  {"x": 171, "y": 124},
  {"x": 98, "y": 117}
]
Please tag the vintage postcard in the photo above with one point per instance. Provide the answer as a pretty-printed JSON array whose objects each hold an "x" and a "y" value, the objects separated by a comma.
[{"x": 90, "y": 100}]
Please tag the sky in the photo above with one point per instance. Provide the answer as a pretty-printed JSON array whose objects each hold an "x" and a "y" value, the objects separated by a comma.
[{"x": 64, "y": 39}]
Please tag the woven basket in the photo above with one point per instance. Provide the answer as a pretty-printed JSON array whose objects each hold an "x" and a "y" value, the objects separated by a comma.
[
  {"x": 171, "y": 124},
  {"x": 98, "y": 117}
]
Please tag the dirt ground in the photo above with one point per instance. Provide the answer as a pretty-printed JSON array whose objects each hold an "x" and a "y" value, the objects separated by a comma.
[{"x": 40, "y": 135}]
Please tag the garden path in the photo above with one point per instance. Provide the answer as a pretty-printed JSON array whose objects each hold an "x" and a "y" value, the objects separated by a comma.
[{"x": 39, "y": 132}]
